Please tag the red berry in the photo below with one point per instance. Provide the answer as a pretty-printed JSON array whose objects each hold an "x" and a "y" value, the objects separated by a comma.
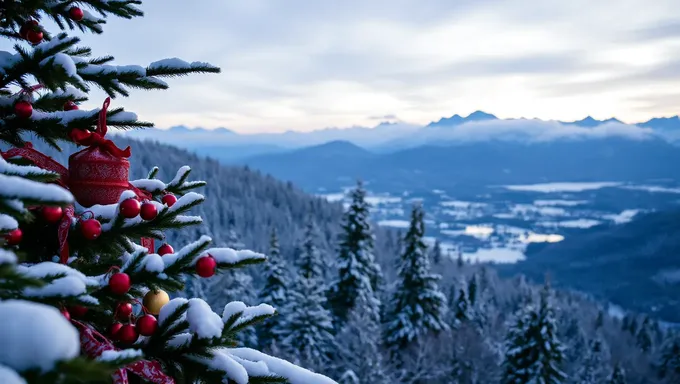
[
  {"x": 127, "y": 334},
  {"x": 76, "y": 13},
  {"x": 52, "y": 214},
  {"x": 205, "y": 266},
  {"x": 65, "y": 313},
  {"x": 129, "y": 208},
  {"x": 78, "y": 311},
  {"x": 91, "y": 229},
  {"x": 148, "y": 211},
  {"x": 123, "y": 311},
  {"x": 70, "y": 106},
  {"x": 34, "y": 37},
  {"x": 29, "y": 25},
  {"x": 147, "y": 325},
  {"x": 23, "y": 109},
  {"x": 119, "y": 283},
  {"x": 14, "y": 237},
  {"x": 169, "y": 199},
  {"x": 114, "y": 329},
  {"x": 165, "y": 249}
]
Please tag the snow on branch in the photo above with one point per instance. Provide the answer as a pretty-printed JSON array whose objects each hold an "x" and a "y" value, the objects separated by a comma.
[
  {"x": 61, "y": 280},
  {"x": 232, "y": 257},
  {"x": 35, "y": 336},
  {"x": 14, "y": 187}
]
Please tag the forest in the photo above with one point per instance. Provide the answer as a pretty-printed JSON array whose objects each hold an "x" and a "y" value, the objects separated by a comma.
[{"x": 422, "y": 317}]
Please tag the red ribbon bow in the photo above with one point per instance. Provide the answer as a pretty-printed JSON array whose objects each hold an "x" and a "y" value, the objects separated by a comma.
[
  {"x": 94, "y": 344},
  {"x": 45, "y": 162},
  {"x": 96, "y": 138}
]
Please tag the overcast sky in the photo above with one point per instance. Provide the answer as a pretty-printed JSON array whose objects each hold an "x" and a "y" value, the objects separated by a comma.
[{"x": 308, "y": 64}]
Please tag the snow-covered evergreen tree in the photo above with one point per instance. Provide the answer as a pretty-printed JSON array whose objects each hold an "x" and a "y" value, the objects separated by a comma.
[
  {"x": 644, "y": 336},
  {"x": 669, "y": 366},
  {"x": 359, "y": 275},
  {"x": 461, "y": 306},
  {"x": 437, "y": 253},
  {"x": 534, "y": 353},
  {"x": 309, "y": 260},
  {"x": 417, "y": 307},
  {"x": 618, "y": 375},
  {"x": 594, "y": 365},
  {"x": 275, "y": 292},
  {"x": 306, "y": 332},
  {"x": 358, "y": 354}
]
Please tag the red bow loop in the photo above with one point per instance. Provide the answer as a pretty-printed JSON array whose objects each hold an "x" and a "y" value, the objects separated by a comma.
[{"x": 96, "y": 138}]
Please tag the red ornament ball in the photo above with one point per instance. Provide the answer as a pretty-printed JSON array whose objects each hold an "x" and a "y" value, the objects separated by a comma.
[
  {"x": 29, "y": 25},
  {"x": 23, "y": 109},
  {"x": 119, "y": 283},
  {"x": 127, "y": 334},
  {"x": 14, "y": 237},
  {"x": 76, "y": 13},
  {"x": 91, "y": 229},
  {"x": 123, "y": 311},
  {"x": 34, "y": 37},
  {"x": 147, "y": 325},
  {"x": 129, "y": 208},
  {"x": 113, "y": 330},
  {"x": 66, "y": 314},
  {"x": 169, "y": 199},
  {"x": 165, "y": 249},
  {"x": 205, "y": 266},
  {"x": 77, "y": 311},
  {"x": 70, "y": 106},
  {"x": 148, "y": 211},
  {"x": 52, "y": 214}
]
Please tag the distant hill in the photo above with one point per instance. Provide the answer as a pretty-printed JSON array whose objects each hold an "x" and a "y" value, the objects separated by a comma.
[
  {"x": 635, "y": 265},
  {"x": 477, "y": 164}
]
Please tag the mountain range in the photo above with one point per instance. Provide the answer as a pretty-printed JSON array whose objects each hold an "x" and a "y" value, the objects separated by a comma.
[{"x": 228, "y": 145}]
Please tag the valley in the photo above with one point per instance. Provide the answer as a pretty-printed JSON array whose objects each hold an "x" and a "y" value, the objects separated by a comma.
[{"x": 497, "y": 224}]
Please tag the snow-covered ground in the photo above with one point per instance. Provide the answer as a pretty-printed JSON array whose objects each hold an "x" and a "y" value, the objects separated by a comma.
[{"x": 497, "y": 226}]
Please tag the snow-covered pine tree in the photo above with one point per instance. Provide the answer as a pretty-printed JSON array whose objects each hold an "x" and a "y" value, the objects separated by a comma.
[
  {"x": 644, "y": 336},
  {"x": 594, "y": 365},
  {"x": 437, "y": 253},
  {"x": 533, "y": 351},
  {"x": 358, "y": 354},
  {"x": 309, "y": 260},
  {"x": 71, "y": 272},
  {"x": 618, "y": 375},
  {"x": 417, "y": 307},
  {"x": 359, "y": 275},
  {"x": 275, "y": 293},
  {"x": 307, "y": 330},
  {"x": 461, "y": 308},
  {"x": 669, "y": 366}
]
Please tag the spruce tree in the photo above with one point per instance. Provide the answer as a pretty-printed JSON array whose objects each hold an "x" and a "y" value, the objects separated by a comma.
[
  {"x": 76, "y": 249},
  {"x": 669, "y": 367},
  {"x": 618, "y": 375},
  {"x": 307, "y": 331},
  {"x": 358, "y": 353},
  {"x": 472, "y": 289},
  {"x": 534, "y": 353},
  {"x": 461, "y": 308},
  {"x": 644, "y": 337},
  {"x": 274, "y": 292},
  {"x": 594, "y": 365},
  {"x": 417, "y": 307},
  {"x": 359, "y": 275},
  {"x": 437, "y": 253}
]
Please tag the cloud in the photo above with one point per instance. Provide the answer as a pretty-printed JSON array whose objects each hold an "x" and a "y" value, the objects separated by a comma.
[
  {"x": 384, "y": 117},
  {"x": 531, "y": 131},
  {"x": 303, "y": 64}
]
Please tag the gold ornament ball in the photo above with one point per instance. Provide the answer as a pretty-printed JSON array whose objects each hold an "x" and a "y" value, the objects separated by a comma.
[{"x": 155, "y": 300}]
